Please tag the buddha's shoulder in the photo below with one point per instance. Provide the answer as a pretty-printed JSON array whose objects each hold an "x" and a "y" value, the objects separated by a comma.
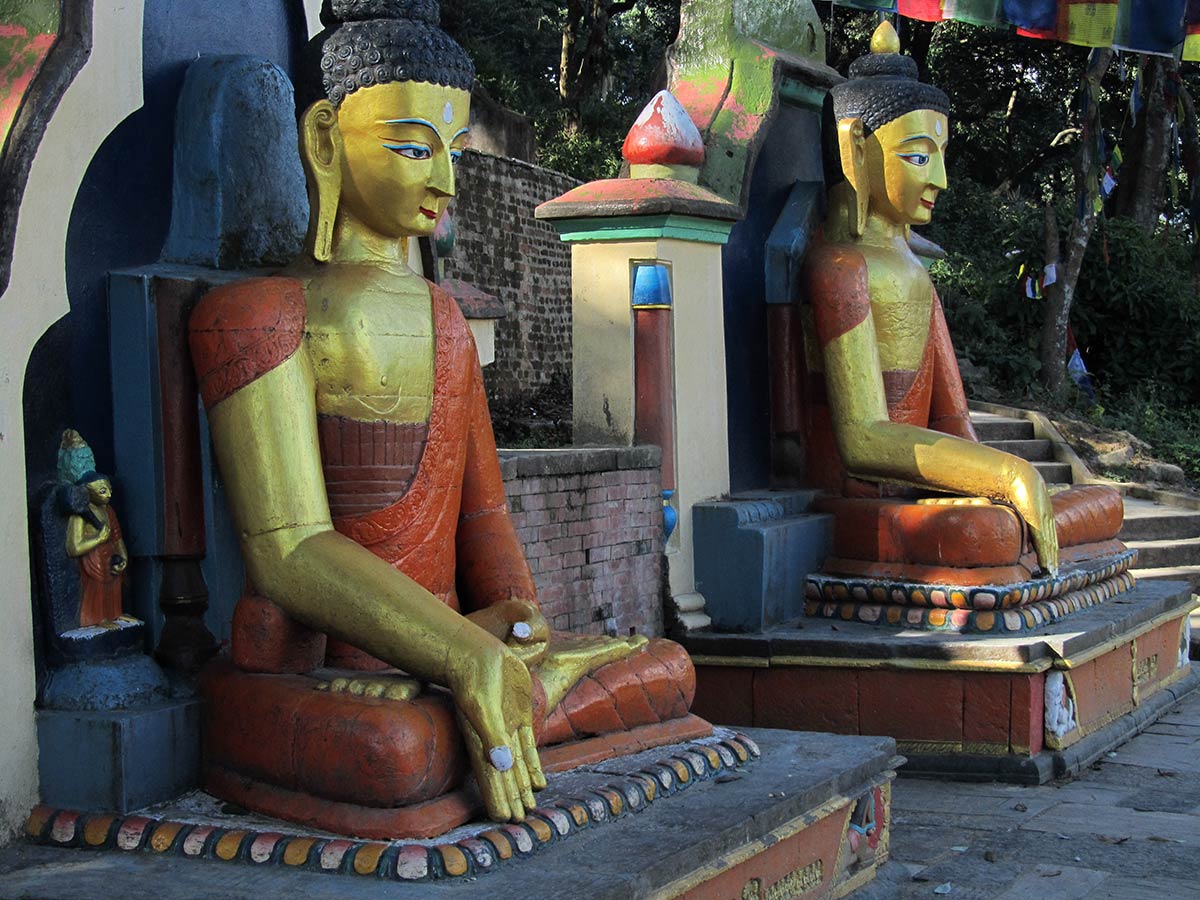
[
  {"x": 835, "y": 256},
  {"x": 252, "y": 305},
  {"x": 242, "y": 330}
]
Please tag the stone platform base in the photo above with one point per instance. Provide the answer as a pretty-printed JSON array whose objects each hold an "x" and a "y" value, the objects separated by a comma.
[
  {"x": 119, "y": 759},
  {"x": 756, "y": 814},
  {"x": 1024, "y": 708}
]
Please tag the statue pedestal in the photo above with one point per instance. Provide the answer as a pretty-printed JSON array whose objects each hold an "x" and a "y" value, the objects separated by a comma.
[
  {"x": 811, "y": 816},
  {"x": 1027, "y": 708},
  {"x": 120, "y": 759}
]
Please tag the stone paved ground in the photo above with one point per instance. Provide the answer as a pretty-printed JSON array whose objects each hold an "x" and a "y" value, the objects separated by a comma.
[{"x": 1128, "y": 828}]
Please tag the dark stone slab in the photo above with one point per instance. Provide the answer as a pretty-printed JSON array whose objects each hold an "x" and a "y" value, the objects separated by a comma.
[
  {"x": 632, "y": 856},
  {"x": 1051, "y": 764},
  {"x": 119, "y": 760},
  {"x": 576, "y": 460},
  {"x": 1069, "y": 637}
]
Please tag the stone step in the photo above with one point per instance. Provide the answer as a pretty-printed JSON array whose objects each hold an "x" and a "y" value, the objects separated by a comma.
[
  {"x": 1146, "y": 520},
  {"x": 1167, "y": 553},
  {"x": 1190, "y": 574},
  {"x": 1034, "y": 450},
  {"x": 991, "y": 427},
  {"x": 1054, "y": 472}
]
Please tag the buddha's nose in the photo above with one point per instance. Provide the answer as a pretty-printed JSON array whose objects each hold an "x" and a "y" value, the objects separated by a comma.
[
  {"x": 937, "y": 175},
  {"x": 441, "y": 177}
]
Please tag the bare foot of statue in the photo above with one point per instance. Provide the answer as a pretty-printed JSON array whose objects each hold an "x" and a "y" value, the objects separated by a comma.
[
  {"x": 388, "y": 687},
  {"x": 570, "y": 657}
]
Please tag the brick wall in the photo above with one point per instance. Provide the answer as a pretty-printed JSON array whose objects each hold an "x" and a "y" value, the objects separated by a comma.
[
  {"x": 502, "y": 249},
  {"x": 591, "y": 523}
]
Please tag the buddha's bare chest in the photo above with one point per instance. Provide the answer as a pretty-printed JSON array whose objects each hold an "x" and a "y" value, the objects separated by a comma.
[
  {"x": 371, "y": 353},
  {"x": 901, "y": 306}
]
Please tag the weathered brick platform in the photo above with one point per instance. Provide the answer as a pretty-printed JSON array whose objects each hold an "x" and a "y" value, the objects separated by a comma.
[
  {"x": 811, "y": 815},
  {"x": 1024, "y": 708}
]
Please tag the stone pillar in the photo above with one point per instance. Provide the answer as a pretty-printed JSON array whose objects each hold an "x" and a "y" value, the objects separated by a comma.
[{"x": 649, "y": 339}]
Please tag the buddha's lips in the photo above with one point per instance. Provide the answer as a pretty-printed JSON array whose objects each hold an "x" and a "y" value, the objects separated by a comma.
[
  {"x": 928, "y": 204},
  {"x": 428, "y": 213}
]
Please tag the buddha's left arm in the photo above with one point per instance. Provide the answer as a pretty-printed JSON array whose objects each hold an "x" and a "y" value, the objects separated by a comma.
[
  {"x": 491, "y": 562},
  {"x": 948, "y": 411}
]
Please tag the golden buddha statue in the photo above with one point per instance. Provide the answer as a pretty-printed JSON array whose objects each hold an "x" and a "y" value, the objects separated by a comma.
[
  {"x": 887, "y": 418},
  {"x": 347, "y": 410}
]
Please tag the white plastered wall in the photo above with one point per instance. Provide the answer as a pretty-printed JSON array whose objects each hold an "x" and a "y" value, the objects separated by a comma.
[
  {"x": 108, "y": 89},
  {"x": 602, "y": 335}
]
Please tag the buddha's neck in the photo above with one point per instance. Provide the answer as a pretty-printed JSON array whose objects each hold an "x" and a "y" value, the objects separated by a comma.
[
  {"x": 879, "y": 232},
  {"x": 356, "y": 243}
]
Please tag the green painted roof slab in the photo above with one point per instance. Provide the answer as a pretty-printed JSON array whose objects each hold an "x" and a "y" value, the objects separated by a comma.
[{"x": 643, "y": 228}]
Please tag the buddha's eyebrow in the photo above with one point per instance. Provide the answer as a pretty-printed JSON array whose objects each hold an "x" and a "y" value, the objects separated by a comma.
[
  {"x": 919, "y": 137},
  {"x": 460, "y": 132},
  {"x": 424, "y": 122}
]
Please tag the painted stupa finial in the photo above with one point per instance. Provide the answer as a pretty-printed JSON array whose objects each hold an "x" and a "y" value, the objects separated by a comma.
[
  {"x": 885, "y": 39},
  {"x": 664, "y": 142}
]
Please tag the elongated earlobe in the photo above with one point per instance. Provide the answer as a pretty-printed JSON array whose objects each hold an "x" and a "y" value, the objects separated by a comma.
[
  {"x": 321, "y": 153},
  {"x": 852, "y": 143}
]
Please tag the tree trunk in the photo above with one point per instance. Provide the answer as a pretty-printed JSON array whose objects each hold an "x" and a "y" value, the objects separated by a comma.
[
  {"x": 1140, "y": 195},
  {"x": 1059, "y": 296},
  {"x": 1189, "y": 133},
  {"x": 566, "y": 58}
]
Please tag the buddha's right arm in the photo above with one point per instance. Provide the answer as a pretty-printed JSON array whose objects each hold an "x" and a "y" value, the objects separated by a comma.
[
  {"x": 874, "y": 447},
  {"x": 260, "y": 393},
  {"x": 266, "y": 446}
]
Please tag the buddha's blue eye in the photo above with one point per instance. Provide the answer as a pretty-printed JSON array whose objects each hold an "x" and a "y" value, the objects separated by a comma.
[
  {"x": 455, "y": 156},
  {"x": 917, "y": 159},
  {"x": 411, "y": 151}
]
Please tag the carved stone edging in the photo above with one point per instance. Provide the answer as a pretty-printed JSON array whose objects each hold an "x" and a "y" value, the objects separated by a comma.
[
  {"x": 1036, "y": 603},
  {"x": 493, "y": 845}
]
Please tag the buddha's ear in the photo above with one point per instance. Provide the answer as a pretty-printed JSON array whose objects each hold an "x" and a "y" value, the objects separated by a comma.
[
  {"x": 852, "y": 144},
  {"x": 321, "y": 153}
]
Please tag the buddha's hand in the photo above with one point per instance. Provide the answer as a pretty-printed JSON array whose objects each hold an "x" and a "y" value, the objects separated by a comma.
[
  {"x": 1028, "y": 494},
  {"x": 520, "y": 624},
  {"x": 494, "y": 696}
]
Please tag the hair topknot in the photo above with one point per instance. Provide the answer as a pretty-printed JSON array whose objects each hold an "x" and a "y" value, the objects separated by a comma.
[
  {"x": 381, "y": 41},
  {"x": 883, "y": 86},
  {"x": 335, "y": 12}
]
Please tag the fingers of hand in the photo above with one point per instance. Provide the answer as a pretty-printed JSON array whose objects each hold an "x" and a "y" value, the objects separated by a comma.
[
  {"x": 490, "y": 781},
  {"x": 521, "y": 773},
  {"x": 533, "y": 763}
]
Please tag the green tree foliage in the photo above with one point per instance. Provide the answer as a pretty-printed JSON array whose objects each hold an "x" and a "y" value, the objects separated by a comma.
[{"x": 580, "y": 69}]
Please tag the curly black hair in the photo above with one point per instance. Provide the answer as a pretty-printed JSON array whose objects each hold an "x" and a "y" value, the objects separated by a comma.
[
  {"x": 883, "y": 87},
  {"x": 378, "y": 41}
]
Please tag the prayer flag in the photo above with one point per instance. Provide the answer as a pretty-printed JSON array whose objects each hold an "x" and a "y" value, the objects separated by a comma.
[
  {"x": 1151, "y": 26},
  {"x": 925, "y": 10},
  {"x": 975, "y": 12},
  {"x": 1033, "y": 18},
  {"x": 878, "y": 5},
  {"x": 1191, "y": 44},
  {"x": 1089, "y": 23}
]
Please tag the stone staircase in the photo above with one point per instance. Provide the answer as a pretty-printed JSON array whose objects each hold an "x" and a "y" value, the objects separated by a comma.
[{"x": 1167, "y": 537}]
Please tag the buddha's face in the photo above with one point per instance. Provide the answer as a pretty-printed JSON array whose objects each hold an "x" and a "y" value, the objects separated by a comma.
[
  {"x": 400, "y": 143},
  {"x": 99, "y": 491},
  {"x": 906, "y": 165}
]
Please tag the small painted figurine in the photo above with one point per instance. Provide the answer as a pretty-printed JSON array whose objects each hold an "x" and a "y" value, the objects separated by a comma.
[
  {"x": 80, "y": 562},
  {"x": 887, "y": 417},
  {"x": 94, "y": 538},
  {"x": 347, "y": 410}
]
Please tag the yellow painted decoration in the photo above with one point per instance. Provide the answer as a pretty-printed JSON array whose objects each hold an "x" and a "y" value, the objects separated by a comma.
[
  {"x": 227, "y": 847},
  {"x": 164, "y": 836},
  {"x": 95, "y": 832},
  {"x": 366, "y": 860},
  {"x": 453, "y": 859},
  {"x": 297, "y": 851}
]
